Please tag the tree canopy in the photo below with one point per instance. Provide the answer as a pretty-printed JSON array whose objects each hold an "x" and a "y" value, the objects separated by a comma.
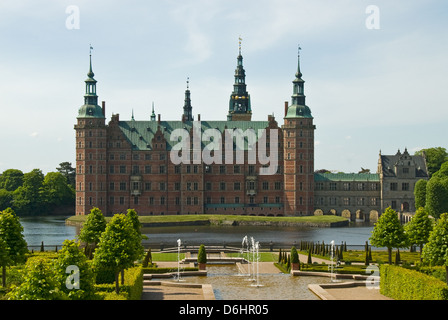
[
  {"x": 419, "y": 228},
  {"x": 34, "y": 193},
  {"x": 434, "y": 158},
  {"x": 437, "y": 196},
  {"x": 11, "y": 179},
  {"x": 119, "y": 246},
  {"x": 13, "y": 244},
  {"x": 388, "y": 232},
  {"x": 436, "y": 250}
]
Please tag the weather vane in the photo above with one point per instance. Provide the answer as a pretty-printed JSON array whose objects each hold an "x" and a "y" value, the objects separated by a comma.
[
  {"x": 239, "y": 43},
  {"x": 298, "y": 50},
  {"x": 188, "y": 82},
  {"x": 91, "y": 48}
]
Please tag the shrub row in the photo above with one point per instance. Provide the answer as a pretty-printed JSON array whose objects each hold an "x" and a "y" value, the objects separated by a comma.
[
  {"x": 403, "y": 284},
  {"x": 131, "y": 290},
  {"x": 155, "y": 270}
]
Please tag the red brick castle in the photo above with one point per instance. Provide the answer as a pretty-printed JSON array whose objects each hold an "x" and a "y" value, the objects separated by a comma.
[{"x": 128, "y": 163}]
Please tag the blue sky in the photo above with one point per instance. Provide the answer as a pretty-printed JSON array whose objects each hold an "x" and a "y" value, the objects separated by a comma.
[{"x": 368, "y": 89}]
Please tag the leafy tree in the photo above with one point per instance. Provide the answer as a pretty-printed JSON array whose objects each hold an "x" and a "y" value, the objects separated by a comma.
[
  {"x": 4, "y": 259},
  {"x": 92, "y": 228},
  {"x": 66, "y": 169},
  {"x": 442, "y": 172},
  {"x": 28, "y": 199},
  {"x": 437, "y": 196},
  {"x": 39, "y": 282},
  {"x": 419, "y": 228},
  {"x": 388, "y": 232},
  {"x": 119, "y": 246},
  {"x": 71, "y": 255},
  {"x": 5, "y": 199},
  {"x": 434, "y": 158},
  {"x": 420, "y": 193},
  {"x": 133, "y": 217},
  {"x": 436, "y": 249},
  {"x": 11, "y": 179},
  {"x": 11, "y": 232},
  {"x": 57, "y": 191}
]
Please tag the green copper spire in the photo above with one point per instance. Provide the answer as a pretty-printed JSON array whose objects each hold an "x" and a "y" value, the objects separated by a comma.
[
  {"x": 153, "y": 115},
  {"x": 239, "y": 99},
  {"x": 90, "y": 107},
  {"x": 298, "y": 109},
  {"x": 188, "y": 109}
]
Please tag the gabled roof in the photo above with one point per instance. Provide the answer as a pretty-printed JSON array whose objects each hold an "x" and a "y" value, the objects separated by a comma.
[
  {"x": 389, "y": 161},
  {"x": 141, "y": 133}
]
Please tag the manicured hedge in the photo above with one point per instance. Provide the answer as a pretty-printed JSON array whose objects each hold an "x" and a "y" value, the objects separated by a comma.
[
  {"x": 403, "y": 284},
  {"x": 155, "y": 270},
  {"x": 131, "y": 290}
]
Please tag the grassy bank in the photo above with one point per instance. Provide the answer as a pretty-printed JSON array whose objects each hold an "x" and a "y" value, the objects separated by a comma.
[{"x": 323, "y": 221}]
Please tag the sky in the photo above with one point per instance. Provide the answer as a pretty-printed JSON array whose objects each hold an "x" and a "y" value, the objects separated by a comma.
[{"x": 375, "y": 77}]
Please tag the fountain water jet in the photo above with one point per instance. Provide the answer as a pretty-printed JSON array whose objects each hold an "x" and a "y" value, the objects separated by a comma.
[
  {"x": 179, "y": 243},
  {"x": 256, "y": 247},
  {"x": 244, "y": 242},
  {"x": 332, "y": 272}
]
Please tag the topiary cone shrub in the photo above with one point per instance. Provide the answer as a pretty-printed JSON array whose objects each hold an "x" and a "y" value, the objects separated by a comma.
[
  {"x": 295, "y": 262},
  {"x": 202, "y": 257}
]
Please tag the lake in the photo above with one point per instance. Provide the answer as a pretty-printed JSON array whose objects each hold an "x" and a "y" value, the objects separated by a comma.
[{"x": 52, "y": 230}]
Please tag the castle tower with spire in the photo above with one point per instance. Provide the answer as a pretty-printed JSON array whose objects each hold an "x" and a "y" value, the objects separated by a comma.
[
  {"x": 239, "y": 104},
  {"x": 90, "y": 150},
  {"x": 188, "y": 109},
  {"x": 298, "y": 143}
]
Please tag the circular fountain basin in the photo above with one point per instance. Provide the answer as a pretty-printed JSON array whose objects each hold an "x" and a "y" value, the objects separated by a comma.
[{"x": 230, "y": 284}]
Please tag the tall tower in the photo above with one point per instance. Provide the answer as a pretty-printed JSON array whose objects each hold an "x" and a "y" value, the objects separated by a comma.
[
  {"x": 188, "y": 109},
  {"x": 239, "y": 105},
  {"x": 298, "y": 138},
  {"x": 90, "y": 151}
]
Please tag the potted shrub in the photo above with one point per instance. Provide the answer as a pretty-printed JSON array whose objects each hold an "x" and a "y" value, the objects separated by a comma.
[
  {"x": 202, "y": 257},
  {"x": 295, "y": 262}
]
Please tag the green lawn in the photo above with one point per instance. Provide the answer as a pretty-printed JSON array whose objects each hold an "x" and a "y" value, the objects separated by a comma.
[
  {"x": 221, "y": 218},
  {"x": 166, "y": 256}
]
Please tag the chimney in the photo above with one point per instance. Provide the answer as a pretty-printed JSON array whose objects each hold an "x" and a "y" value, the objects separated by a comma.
[
  {"x": 104, "y": 108},
  {"x": 286, "y": 108},
  {"x": 158, "y": 118},
  {"x": 199, "y": 117}
]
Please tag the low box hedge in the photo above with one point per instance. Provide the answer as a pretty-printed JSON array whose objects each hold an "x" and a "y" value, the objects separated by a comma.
[
  {"x": 155, "y": 270},
  {"x": 403, "y": 284},
  {"x": 131, "y": 290}
]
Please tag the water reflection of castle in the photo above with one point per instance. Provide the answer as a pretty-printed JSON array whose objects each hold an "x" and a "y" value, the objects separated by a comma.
[{"x": 126, "y": 164}]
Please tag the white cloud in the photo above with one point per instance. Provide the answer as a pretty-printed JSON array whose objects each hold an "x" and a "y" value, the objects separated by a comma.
[{"x": 34, "y": 134}]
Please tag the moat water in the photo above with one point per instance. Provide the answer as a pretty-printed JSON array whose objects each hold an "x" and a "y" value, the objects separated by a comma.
[{"x": 52, "y": 230}]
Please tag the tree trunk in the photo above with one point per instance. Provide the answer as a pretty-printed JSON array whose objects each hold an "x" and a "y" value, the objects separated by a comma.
[
  {"x": 117, "y": 285},
  {"x": 122, "y": 277},
  {"x": 389, "y": 250}
]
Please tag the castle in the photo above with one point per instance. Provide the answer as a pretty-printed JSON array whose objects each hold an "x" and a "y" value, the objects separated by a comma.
[{"x": 187, "y": 166}]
